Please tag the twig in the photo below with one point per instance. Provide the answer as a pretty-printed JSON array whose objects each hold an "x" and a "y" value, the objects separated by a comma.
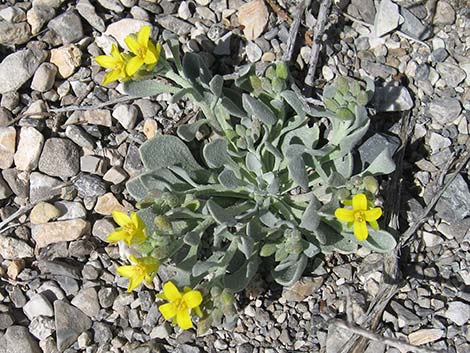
[
  {"x": 279, "y": 11},
  {"x": 294, "y": 29},
  {"x": 317, "y": 34},
  {"x": 393, "y": 342},
  {"x": 91, "y": 107}
]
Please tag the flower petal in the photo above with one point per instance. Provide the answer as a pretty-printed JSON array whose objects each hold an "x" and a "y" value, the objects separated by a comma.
[
  {"x": 171, "y": 292},
  {"x": 359, "y": 202},
  {"x": 105, "y": 61},
  {"x": 168, "y": 310},
  {"x": 126, "y": 271},
  {"x": 133, "y": 65},
  {"x": 138, "y": 237},
  {"x": 111, "y": 76},
  {"x": 117, "y": 235},
  {"x": 132, "y": 44},
  {"x": 198, "y": 311},
  {"x": 192, "y": 298},
  {"x": 135, "y": 282},
  {"x": 149, "y": 278},
  {"x": 143, "y": 36},
  {"x": 183, "y": 319},
  {"x": 121, "y": 218},
  {"x": 150, "y": 58},
  {"x": 360, "y": 230},
  {"x": 373, "y": 214},
  {"x": 115, "y": 53},
  {"x": 344, "y": 215}
]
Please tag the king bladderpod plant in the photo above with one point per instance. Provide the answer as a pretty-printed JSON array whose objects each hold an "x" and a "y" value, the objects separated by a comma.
[{"x": 264, "y": 187}]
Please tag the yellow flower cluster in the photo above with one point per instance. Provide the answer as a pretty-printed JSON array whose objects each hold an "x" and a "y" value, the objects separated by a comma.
[{"x": 122, "y": 65}]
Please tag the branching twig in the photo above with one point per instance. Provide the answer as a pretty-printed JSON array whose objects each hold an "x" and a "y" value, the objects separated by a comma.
[
  {"x": 393, "y": 342},
  {"x": 317, "y": 34},
  {"x": 72, "y": 108},
  {"x": 294, "y": 29}
]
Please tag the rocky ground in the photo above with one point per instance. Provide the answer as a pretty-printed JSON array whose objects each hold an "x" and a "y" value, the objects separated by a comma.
[{"x": 58, "y": 287}]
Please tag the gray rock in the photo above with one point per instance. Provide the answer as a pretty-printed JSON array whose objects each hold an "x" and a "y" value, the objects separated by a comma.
[
  {"x": 113, "y": 5},
  {"x": 6, "y": 320},
  {"x": 115, "y": 175},
  {"x": 42, "y": 187},
  {"x": 38, "y": 305},
  {"x": 23, "y": 63},
  {"x": 89, "y": 186},
  {"x": 438, "y": 142},
  {"x": 60, "y": 157},
  {"x": 186, "y": 348},
  {"x": 413, "y": 26},
  {"x": 70, "y": 210},
  {"x": 451, "y": 73},
  {"x": 253, "y": 52},
  {"x": 392, "y": 99},
  {"x": 42, "y": 327},
  {"x": 378, "y": 70},
  {"x": 93, "y": 164},
  {"x": 87, "y": 301},
  {"x": 439, "y": 55},
  {"x": 18, "y": 340},
  {"x": 458, "y": 312},
  {"x": 422, "y": 72},
  {"x": 80, "y": 137},
  {"x": 12, "y": 248},
  {"x": 95, "y": 117},
  {"x": 174, "y": 24},
  {"x": 68, "y": 27},
  {"x": 59, "y": 269},
  {"x": 17, "y": 181},
  {"x": 38, "y": 16},
  {"x": 445, "y": 13},
  {"x": 454, "y": 205},
  {"x": 132, "y": 164},
  {"x": 444, "y": 110},
  {"x": 7, "y": 146},
  {"x": 88, "y": 12},
  {"x": 102, "y": 333},
  {"x": 5, "y": 190},
  {"x": 14, "y": 33},
  {"x": 387, "y": 18},
  {"x": 107, "y": 296},
  {"x": 44, "y": 77},
  {"x": 126, "y": 115},
  {"x": 375, "y": 144},
  {"x": 55, "y": 232},
  {"x": 29, "y": 148},
  {"x": 365, "y": 9},
  {"x": 70, "y": 323},
  {"x": 405, "y": 314}
]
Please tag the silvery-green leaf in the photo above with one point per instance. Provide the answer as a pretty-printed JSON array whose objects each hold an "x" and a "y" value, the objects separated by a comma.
[
  {"x": 246, "y": 246},
  {"x": 254, "y": 228},
  {"x": 148, "y": 217},
  {"x": 216, "y": 153},
  {"x": 275, "y": 152},
  {"x": 344, "y": 165},
  {"x": 269, "y": 219},
  {"x": 382, "y": 164},
  {"x": 298, "y": 172},
  {"x": 238, "y": 280},
  {"x": 288, "y": 261},
  {"x": 232, "y": 108},
  {"x": 147, "y": 88},
  {"x": 192, "y": 238},
  {"x": 167, "y": 150},
  {"x": 311, "y": 219},
  {"x": 348, "y": 143},
  {"x": 187, "y": 132},
  {"x": 219, "y": 214},
  {"x": 136, "y": 189},
  {"x": 253, "y": 164},
  {"x": 311, "y": 250},
  {"x": 380, "y": 241},
  {"x": 361, "y": 117},
  {"x": 281, "y": 254},
  {"x": 336, "y": 180},
  {"x": 174, "y": 45},
  {"x": 290, "y": 275},
  {"x": 229, "y": 180},
  {"x": 191, "y": 66},
  {"x": 342, "y": 85},
  {"x": 355, "y": 88},
  {"x": 268, "y": 250},
  {"x": 202, "y": 267},
  {"x": 258, "y": 109},
  {"x": 180, "y": 94},
  {"x": 329, "y": 91},
  {"x": 345, "y": 246},
  {"x": 281, "y": 70},
  {"x": 216, "y": 85},
  {"x": 344, "y": 114}
]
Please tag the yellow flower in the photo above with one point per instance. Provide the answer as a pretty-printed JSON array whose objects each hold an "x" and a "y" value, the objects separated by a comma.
[
  {"x": 131, "y": 229},
  {"x": 358, "y": 216},
  {"x": 180, "y": 305},
  {"x": 144, "y": 50},
  {"x": 145, "y": 268},
  {"x": 116, "y": 62}
]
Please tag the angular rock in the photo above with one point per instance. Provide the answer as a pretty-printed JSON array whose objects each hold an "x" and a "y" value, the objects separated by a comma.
[
  {"x": 413, "y": 26},
  {"x": 108, "y": 203},
  {"x": 43, "y": 212},
  {"x": 17, "y": 181},
  {"x": 445, "y": 13},
  {"x": 70, "y": 210},
  {"x": 18, "y": 340},
  {"x": 88, "y": 12},
  {"x": 67, "y": 26},
  {"x": 451, "y": 73},
  {"x": 60, "y": 157},
  {"x": 387, "y": 18},
  {"x": 38, "y": 16},
  {"x": 23, "y": 63},
  {"x": 38, "y": 305},
  {"x": 14, "y": 33},
  {"x": 425, "y": 336},
  {"x": 54, "y": 232},
  {"x": 29, "y": 148},
  {"x": 44, "y": 77},
  {"x": 80, "y": 137},
  {"x": 392, "y": 99},
  {"x": 444, "y": 110},
  {"x": 126, "y": 115},
  {"x": 7, "y": 146},
  {"x": 67, "y": 59},
  {"x": 458, "y": 312},
  {"x": 42, "y": 187},
  {"x": 87, "y": 301},
  {"x": 96, "y": 117},
  {"x": 174, "y": 24},
  {"x": 42, "y": 327},
  {"x": 122, "y": 28},
  {"x": 302, "y": 289},
  {"x": 89, "y": 185},
  {"x": 454, "y": 204},
  {"x": 115, "y": 175},
  {"x": 70, "y": 323},
  {"x": 5, "y": 190},
  {"x": 12, "y": 248},
  {"x": 102, "y": 228}
]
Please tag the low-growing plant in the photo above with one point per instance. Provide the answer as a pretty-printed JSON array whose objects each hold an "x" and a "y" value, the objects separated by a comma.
[{"x": 265, "y": 189}]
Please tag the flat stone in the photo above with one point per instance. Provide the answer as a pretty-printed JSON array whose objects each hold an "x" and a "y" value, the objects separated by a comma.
[
  {"x": 413, "y": 26},
  {"x": 174, "y": 24},
  {"x": 96, "y": 117},
  {"x": 113, "y": 5},
  {"x": 55, "y": 232},
  {"x": 375, "y": 144},
  {"x": 42, "y": 327},
  {"x": 43, "y": 212},
  {"x": 60, "y": 157},
  {"x": 451, "y": 73},
  {"x": 42, "y": 187},
  {"x": 37, "y": 17},
  {"x": 14, "y": 33},
  {"x": 38, "y": 305},
  {"x": 88, "y": 12},
  {"x": 454, "y": 205},
  {"x": 67, "y": 59},
  {"x": 115, "y": 175},
  {"x": 70, "y": 323},
  {"x": 431, "y": 239},
  {"x": 392, "y": 99},
  {"x": 7, "y": 146},
  {"x": 458, "y": 312},
  {"x": 445, "y": 14},
  {"x": 108, "y": 203},
  {"x": 17, "y": 339},
  {"x": 68, "y": 27},
  {"x": 302, "y": 289},
  {"x": 29, "y": 149},
  {"x": 444, "y": 110},
  {"x": 44, "y": 77},
  {"x": 87, "y": 301},
  {"x": 405, "y": 316},
  {"x": 102, "y": 228},
  {"x": 89, "y": 185},
  {"x": 70, "y": 210},
  {"x": 253, "y": 52},
  {"x": 425, "y": 336},
  {"x": 17, "y": 181},
  {"x": 5, "y": 190},
  {"x": 79, "y": 136},
  {"x": 121, "y": 29},
  {"x": 12, "y": 248},
  {"x": 23, "y": 63},
  {"x": 387, "y": 18},
  {"x": 126, "y": 115}
]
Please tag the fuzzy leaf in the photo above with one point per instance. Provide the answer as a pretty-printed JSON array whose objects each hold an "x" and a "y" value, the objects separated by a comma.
[
  {"x": 232, "y": 108},
  {"x": 229, "y": 180},
  {"x": 202, "y": 267},
  {"x": 311, "y": 219},
  {"x": 290, "y": 275},
  {"x": 298, "y": 172},
  {"x": 344, "y": 165},
  {"x": 258, "y": 109},
  {"x": 191, "y": 66},
  {"x": 239, "y": 279},
  {"x": 165, "y": 151},
  {"x": 246, "y": 246},
  {"x": 253, "y": 164},
  {"x": 147, "y": 88},
  {"x": 187, "y": 132},
  {"x": 180, "y": 94},
  {"x": 216, "y": 153},
  {"x": 216, "y": 85},
  {"x": 219, "y": 214},
  {"x": 380, "y": 241},
  {"x": 268, "y": 250},
  {"x": 136, "y": 189},
  {"x": 291, "y": 98}
]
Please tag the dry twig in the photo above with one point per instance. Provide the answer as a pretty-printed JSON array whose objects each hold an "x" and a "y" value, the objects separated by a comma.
[{"x": 294, "y": 29}]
